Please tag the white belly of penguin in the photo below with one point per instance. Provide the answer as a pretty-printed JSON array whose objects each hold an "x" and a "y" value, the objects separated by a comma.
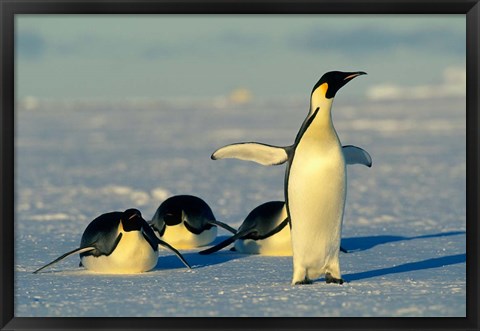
[
  {"x": 181, "y": 238},
  {"x": 316, "y": 199},
  {"x": 133, "y": 254},
  {"x": 279, "y": 244}
]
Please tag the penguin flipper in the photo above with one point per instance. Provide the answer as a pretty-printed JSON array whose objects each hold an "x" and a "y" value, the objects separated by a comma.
[
  {"x": 250, "y": 151},
  {"x": 356, "y": 155},
  {"x": 77, "y": 250},
  {"x": 177, "y": 253},
  {"x": 154, "y": 241},
  {"x": 223, "y": 225},
  {"x": 224, "y": 243},
  {"x": 274, "y": 230}
]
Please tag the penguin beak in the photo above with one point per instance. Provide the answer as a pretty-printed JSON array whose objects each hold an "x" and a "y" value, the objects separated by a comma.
[{"x": 353, "y": 75}]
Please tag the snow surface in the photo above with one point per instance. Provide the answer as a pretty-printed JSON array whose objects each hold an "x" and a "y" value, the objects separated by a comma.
[{"x": 405, "y": 217}]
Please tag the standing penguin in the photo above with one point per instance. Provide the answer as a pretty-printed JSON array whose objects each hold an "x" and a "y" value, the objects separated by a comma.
[
  {"x": 186, "y": 221},
  {"x": 118, "y": 243},
  {"x": 315, "y": 182},
  {"x": 264, "y": 230}
]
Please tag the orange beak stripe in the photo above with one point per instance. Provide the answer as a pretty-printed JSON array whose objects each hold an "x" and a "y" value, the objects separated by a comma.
[{"x": 351, "y": 76}]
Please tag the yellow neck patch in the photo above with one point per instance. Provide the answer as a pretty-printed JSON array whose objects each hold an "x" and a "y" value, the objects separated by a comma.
[
  {"x": 319, "y": 96},
  {"x": 323, "y": 88}
]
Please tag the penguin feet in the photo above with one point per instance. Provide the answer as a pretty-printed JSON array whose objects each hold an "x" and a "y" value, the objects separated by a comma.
[
  {"x": 330, "y": 279},
  {"x": 305, "y": 281}
]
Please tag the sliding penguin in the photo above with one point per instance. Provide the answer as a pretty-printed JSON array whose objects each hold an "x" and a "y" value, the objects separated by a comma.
[
  {"x": 315, "y": 182},
  {"x": 119, "y": 243},
  {"x": 264, "y": 230},
  {"x": 186, "y": 221}
]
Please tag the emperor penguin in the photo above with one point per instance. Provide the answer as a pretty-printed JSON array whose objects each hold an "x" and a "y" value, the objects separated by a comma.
[
  {"x": 264, "y": 231},
  {"x": 186, "y": 221},
  {"x": 118, "y": 243},
  {"x": 315, "y": 182}
]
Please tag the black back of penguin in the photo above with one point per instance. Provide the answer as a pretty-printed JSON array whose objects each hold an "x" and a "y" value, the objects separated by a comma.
[
  {"x": 262, "y": 221},
  {"x": 102, "y": 231},
  {"x": 172, "y": 211}
]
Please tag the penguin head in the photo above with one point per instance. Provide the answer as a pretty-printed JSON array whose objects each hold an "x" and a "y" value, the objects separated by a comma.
[
  {"x": 173, "y": 217},
  {"x": 333, "y": 81},
  {"x": 167, "y": 214},
  {"x": 194, "y": 222},
  {"x": 132, "y": 220}
]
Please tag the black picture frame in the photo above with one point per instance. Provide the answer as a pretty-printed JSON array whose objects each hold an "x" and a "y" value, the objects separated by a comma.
[{"x": 10, "y": 8}]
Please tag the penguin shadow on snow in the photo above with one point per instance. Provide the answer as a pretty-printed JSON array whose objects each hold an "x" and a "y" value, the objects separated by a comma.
[
  {"x": 364, "y": 243},
  {"x": 198, "y": 261},
  {"x": 357, "y": 244},
  {"x": 436, "y": 262}
]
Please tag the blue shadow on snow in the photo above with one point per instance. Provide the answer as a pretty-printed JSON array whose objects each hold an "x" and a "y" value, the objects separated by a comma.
[
  {"x": 356, "y": 244},
  {"x": 196, "y": 260},
  {"x": 412, "y": 266}
]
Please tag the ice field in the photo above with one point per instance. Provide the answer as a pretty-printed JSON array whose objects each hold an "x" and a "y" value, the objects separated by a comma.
[{"x": 404, "y": 224}]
